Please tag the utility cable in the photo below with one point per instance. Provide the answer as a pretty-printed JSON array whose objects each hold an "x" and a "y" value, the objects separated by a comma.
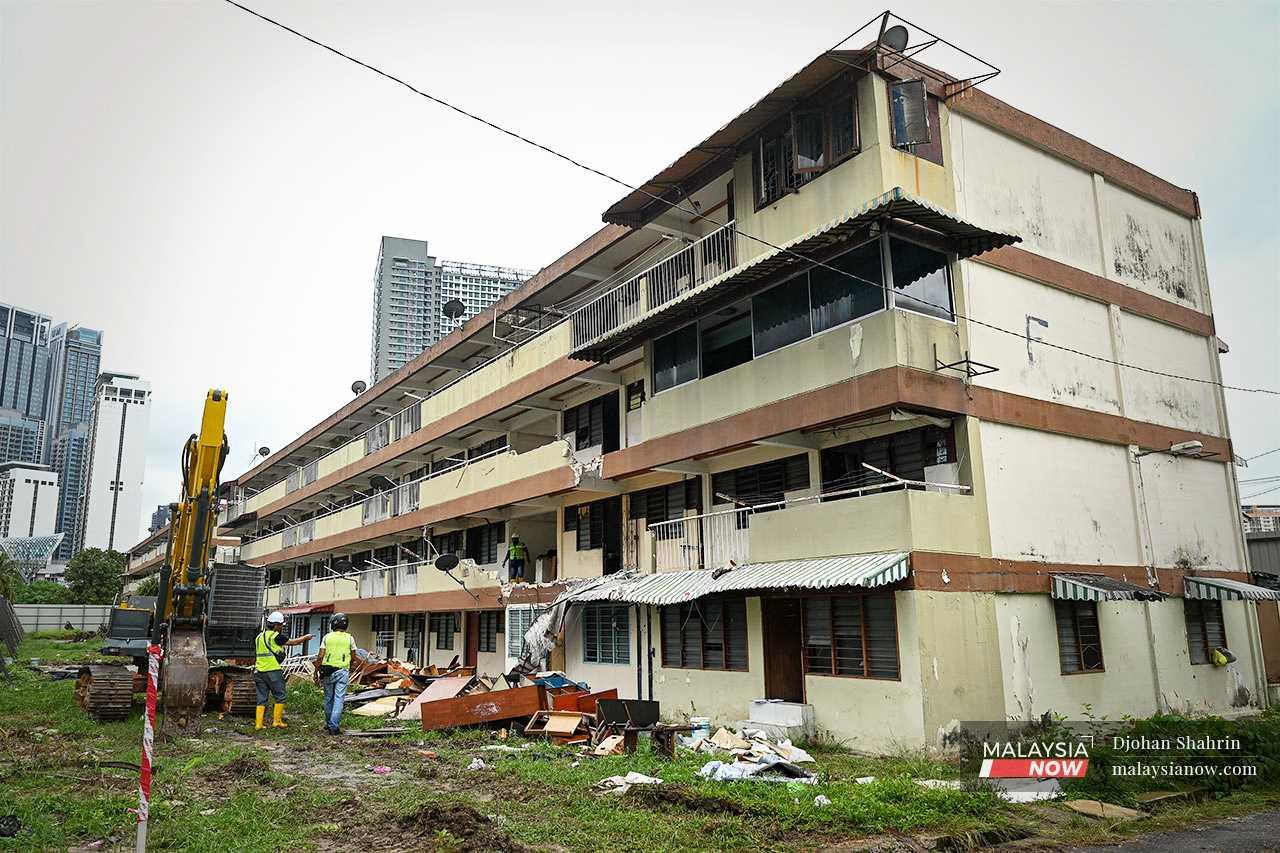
[{"x": 699, "y": 216}]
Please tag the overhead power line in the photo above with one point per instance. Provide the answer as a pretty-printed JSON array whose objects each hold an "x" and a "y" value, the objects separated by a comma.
[
  {"x": 1260, "y": 455},
  {"x": 699, "y": 216}
]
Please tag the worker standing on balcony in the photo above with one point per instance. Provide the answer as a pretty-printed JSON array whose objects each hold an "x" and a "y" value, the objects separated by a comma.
[
  {"x": 333, "y": 666},
  {"x": 268, "y": 676},
  {"x": 517, "y": 555}
]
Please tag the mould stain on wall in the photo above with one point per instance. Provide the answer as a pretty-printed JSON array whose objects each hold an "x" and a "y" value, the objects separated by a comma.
[{"x": 1162, "y": 260}]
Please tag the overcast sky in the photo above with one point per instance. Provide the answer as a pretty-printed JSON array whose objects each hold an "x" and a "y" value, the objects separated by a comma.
[{"x": 209, "y": 190}]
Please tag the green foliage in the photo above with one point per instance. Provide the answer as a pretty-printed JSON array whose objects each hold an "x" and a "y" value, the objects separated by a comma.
[
  {"x": 150, "y": 586},
  {"x": 43, "y": 592},
  {"x": 11, "y": 582},
  {"x": 95, "y": 576}
]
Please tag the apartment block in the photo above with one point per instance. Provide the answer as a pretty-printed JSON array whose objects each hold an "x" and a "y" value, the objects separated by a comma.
[
  {"x": 24, "y": 372},
  {"x": 28, "y": 500},
  {"x": 110, "y": 508},
  {"x": 814, "y": 428}
]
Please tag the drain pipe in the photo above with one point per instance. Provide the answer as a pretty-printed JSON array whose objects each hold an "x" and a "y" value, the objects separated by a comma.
[
  {"x": 639, "y": 657},
  {"x": 648, "y": 614}
]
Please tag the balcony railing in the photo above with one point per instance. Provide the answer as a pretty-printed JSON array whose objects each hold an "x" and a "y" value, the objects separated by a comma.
[
  {"x": 695, "y": 264},
  {"x": 714, "y": 540}
]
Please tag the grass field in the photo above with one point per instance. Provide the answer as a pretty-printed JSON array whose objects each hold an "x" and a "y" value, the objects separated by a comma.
[{"x": 231, "y": 789}]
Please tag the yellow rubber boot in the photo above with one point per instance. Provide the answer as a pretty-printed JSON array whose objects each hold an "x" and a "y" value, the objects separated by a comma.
[
  {"x": 258, "y": 715},
  {"x": 277, "y": 721}
]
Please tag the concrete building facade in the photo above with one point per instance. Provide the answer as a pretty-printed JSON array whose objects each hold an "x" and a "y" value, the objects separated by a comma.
[
  {"x": 24, "y": 376},
  {"x": 410, "y": 291},
  {"x": 28, "y": 500},
  {"x": 777, "y": 450},
  {"x": 111, "y": 497}
]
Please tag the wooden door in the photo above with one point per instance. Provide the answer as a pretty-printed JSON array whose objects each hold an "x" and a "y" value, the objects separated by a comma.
[
  {"x": 472, "y": 633},
  {"x": 783, "y": 649}
]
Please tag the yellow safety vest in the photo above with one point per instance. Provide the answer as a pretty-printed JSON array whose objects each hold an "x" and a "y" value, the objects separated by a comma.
[
  {"x": 268, "y": 647},
  {"x": 337, "y": 649},
  {"x": 518, "y": 552}
]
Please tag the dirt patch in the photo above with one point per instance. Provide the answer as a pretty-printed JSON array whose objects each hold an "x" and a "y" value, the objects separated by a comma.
[
  {"x": 685, "y": 797},
  {"x": 249, "y": 768},
  {"x": 458, "y": 827}
]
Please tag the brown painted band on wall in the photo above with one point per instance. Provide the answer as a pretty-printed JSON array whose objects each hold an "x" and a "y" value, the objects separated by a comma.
[
  {"x": 969, "y": 573},
  {"x": 539, "y": 380},
  {"x": 1082, "y": 283},
  {"x": 997, "y": 114},
  {"x": 884, "y": 389},
  {"x": 485, "y": 598},
  {"x": 539, "y": 485}
]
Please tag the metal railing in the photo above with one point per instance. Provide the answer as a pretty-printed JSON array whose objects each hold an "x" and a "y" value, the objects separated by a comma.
[
  {"x": 695, "y": 264},
  {"x": 383, "y": 505},
  {"x": 715, "y": 539},
  {"x": 373, "y": 582}
]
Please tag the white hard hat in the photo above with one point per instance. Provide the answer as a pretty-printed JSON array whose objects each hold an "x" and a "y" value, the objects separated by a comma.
[{"x": 276, "y": 618}]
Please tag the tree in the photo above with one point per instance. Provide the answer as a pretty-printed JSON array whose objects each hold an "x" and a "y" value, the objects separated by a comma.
[
  {"x": 95, "y": 576},
  {"x": 43, "y": 592},
  {"x": 11, "y": 582},
  {"x": 149, "y": 586}
]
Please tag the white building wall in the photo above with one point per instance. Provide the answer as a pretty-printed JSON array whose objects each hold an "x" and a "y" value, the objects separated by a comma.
[
  {"x": 112, "y": 513},
  {"x": 28, "y": 502}
]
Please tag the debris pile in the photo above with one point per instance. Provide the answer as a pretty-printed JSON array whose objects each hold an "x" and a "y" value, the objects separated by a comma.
[
  {"x": 755, "y": 757},
  {"x": 381, "y": 688}
]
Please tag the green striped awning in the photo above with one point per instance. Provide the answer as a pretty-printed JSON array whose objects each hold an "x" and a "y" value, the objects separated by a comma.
[
  {"x": 1222, "y": 589},
  {"x": 1082, "y": 586}
]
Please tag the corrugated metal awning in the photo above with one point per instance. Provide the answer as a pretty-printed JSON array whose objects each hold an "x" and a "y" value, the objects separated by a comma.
[
  {"x": 1222, "y": 589},
  {"x": 1082, "y": 586},
  {"x": 964, "y": 238},
  {"x": 299, "y": 609},
  {"x": 856, "y": 570}
]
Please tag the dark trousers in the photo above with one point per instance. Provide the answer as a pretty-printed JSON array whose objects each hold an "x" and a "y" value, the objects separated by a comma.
[
  {"x": 517, "y": 569},
  {"x": 269, "y": 683}
]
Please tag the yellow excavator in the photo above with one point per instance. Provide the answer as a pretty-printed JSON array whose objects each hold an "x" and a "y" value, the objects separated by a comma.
[{"x": 203, "y": 610}]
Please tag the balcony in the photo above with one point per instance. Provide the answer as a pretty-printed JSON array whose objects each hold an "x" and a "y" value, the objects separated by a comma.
[
  {"x": 382, "y": 581},
  {"x": 900, "y": 515},
  {"x": 692, "y": 266}
]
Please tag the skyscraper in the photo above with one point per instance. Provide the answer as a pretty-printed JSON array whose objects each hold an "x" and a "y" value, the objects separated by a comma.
[
  {"x": 24, "y": 369},
  {"x": 71, "y": 461},
  {"x": 111, "y": 500},
  {"x": 75, "y": 354},
  {"x": 159, "y": 518},
  {"x": 21, "y": 437},
  {"x": 410, "y": 290},
  {"x": 28, "y": 499}
]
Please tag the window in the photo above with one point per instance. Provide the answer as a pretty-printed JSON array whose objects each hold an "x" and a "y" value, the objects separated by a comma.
[
  {"x": 664, "y": 503},
  {"x": 675, "y": 358},
  {"x": 490, "y": 627},
  {"x": 635, "y": 395},
  {"x": 1205, "y": 629},
  {"x": 763, "y": 483},
  {"x": 726, "y": 343},
  {"x": 797, "y": 148},
  {"x": 594, "y": 423},
  {"x": 780, "y": 316},
  {"x": 904, "y": 454},
  {"x": 710, "y": 633},
  {"x": 448, "y": 543},
  {"x": 809, "y": 132},
  {"x": 489, "y": 446},
  {"x": 443, "y": 625},
  {"x": 483, "y": 542},
  {"x": 844, "y": 127},
  {"x": 921, "y": 281},
  {"x": 606, "y": 633},
  {"x": 519, "y": 621},
  {"x": 590, "y": 525},
  {"x": 1079, "y": 639},
  {"x": 851, "y": 635},
  {"x": 836, "y": 298}
]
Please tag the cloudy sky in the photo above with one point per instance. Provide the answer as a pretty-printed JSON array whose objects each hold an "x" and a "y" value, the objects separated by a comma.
[{"x": 210, "y": 191}]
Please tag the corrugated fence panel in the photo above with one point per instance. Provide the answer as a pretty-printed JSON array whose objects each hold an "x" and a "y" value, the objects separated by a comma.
[{"x": 54, "y": 617}]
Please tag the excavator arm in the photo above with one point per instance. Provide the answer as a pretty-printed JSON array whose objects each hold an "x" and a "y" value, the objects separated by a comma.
[{"x": 181, "y": 609}]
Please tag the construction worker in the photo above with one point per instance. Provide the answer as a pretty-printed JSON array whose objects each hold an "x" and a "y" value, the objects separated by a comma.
[
  {"x": 517, "y": 554},
  {"x": 268, "y": 677},
  {"x": 333, "y": 665}
]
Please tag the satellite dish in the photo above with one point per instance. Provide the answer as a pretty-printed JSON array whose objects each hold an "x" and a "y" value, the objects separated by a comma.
[
  {"x": 382, "y": 482},
  {"x": 447, "y": 562},
  {"x": 342, "y": 564},
  {"x": 359, "y": 386},
  {"x": 264, "y": 451},
  {"x": 895, "y": 38},
  {"x": 454, "y": 308}
]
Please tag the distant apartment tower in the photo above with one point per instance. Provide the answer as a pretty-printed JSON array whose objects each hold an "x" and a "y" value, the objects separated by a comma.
[
  {"x": 159, "y": 518},
  {"x": 75, "y": 355},
  {"x": 410, "y": 291},
  {"x": 28, "y": 499},
  {"x": 70, "y": 459},
  {"x": 21, "y": 437},
  {"x": 24, "y": 371},
  {"x": 111, "y": 499},
  {"x": 1261, "y": 518}
]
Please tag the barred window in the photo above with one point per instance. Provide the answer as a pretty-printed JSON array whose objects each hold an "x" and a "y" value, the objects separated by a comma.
[
  {"x": 851, "y": 635},
  {"x": 710, "y": 633},
  {"x": 1079, "y": 638},
  {"x": 606, "y": 633},
  {"x": 483, "y": 542},
  {"x": 519, "y": 621},
  {"x": 1205, "y": 628},
  {"x": 490, "y": 628},
  {"x": 443, "y": 625}
]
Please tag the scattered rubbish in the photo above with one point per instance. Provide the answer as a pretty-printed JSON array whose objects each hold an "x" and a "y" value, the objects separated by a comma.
[
  {"x": 502, "y": 747},
  {"x": 492, "y": 707},
  {"x": 477, "y": 764},
  {"x": 728, "y": 741},
  {"x": 865, "y": 780},
  {"x": 749, "y": 744},
  {"x": 611, "y": 745},
  {"x": 822, "y": 801},
  {"x": 1105, "y": 811},
  {"x": 941, "y": 784},
  {"x": 207, "y": 812},
  {"x": 381, "y": 769},
  {"x": 622, "y": 784},
  {"x": 428, "y": 753},
  {"x": 389, "y": 732},
  {"x": 769, "y": 768}
]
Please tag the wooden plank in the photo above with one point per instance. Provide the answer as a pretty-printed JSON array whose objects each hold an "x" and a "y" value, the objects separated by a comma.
[
  {"x": 483, "y": 707},
  {"x": 587, "y": 702},
  {"x": 563, "y": 722}
]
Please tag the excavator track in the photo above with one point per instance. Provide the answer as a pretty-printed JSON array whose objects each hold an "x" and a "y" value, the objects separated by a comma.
[
  {"x": 105, "y": 692},
  {"x": 239, "y": 694}
]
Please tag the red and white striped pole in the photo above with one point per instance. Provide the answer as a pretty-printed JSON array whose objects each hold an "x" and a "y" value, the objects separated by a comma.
[{"x": 154, "y": 653}]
